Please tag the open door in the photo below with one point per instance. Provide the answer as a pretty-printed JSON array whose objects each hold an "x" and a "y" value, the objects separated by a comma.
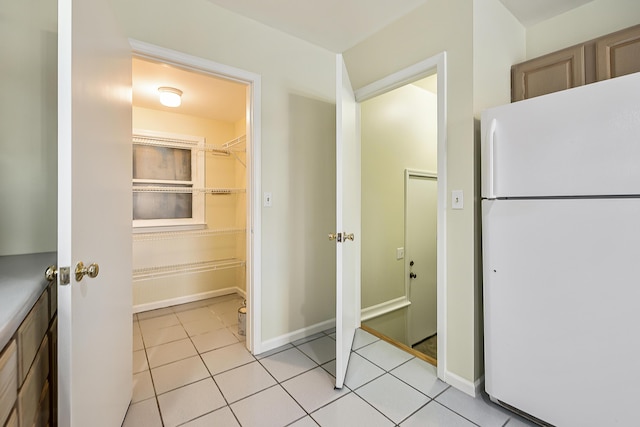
[
  {"x": 94, "y": 216},
  {"x": 347, "y": 219}
]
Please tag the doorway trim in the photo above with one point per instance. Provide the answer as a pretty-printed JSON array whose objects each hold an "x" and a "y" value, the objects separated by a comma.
[
  {"x": 253, "y": 81},
  {"x": 436, "y": 64}
]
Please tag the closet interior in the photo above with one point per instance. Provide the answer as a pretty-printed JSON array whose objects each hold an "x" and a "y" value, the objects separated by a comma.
[{"x": 189, "y": 187}]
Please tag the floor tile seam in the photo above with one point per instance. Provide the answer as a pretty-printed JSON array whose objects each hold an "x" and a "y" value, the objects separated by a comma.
[
  {"x": 417, "y": 410},
  {"x": 184, "y": 385},
  {"x": 229, "y": 402},
  {"x": 307, "y": 356},
  {"x": 404, "y": 419},
  {"x": 374, "y": 407},
  {"x": 287, "y": 379},
  {"x": 294, "y": 399},
  {"x": 366, "y": 345},
  {"x": 329, "y": 403},
  {"x": 368, "y": 382},
  {"x": 456, "y": 412},
  {"x": 406, "y": 383},
  {"x": 300, "y": 419},
  {"x": 217, "y": 348},
  {"x": 375, "y": 364},
  {"x": 308, "y": 341},
  {"x": 273, "y": 354}
]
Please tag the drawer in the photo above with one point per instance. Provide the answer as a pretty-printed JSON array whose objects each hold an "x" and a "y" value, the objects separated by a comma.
[
  {"x": 30, "y": 335},
  {"x": 8, "y": 380},
  {"x": 13, "y": 420},
  {"x": 31, "y": 391},
  {"x": 53, "y": 299}
]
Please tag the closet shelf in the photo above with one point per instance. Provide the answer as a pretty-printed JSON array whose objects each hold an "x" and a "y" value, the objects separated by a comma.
[
  {"x": 237, "y": 141},
  {"x": 227, "y": 148},
  {"x": 194, "y": 267},
  {"x": 166, "y": 235},
  {"x": 164, "y": 189}
]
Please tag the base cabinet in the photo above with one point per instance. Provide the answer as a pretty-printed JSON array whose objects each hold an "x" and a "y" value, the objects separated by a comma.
[{"x": 28, "y": 369}]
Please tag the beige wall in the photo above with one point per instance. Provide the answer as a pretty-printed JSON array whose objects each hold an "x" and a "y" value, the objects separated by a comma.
[
  {"x": 398, "y": 131},
  {"x": 298, "y": 145},
  {"x": 481, "y": 41},
  {"x": 498, "y": 42},
  {"x": 28, "y": 127},
  {"x": 440, "y": 25},
  {"x": 222, "y": 211},
  {"x": 589, "y": 21}
]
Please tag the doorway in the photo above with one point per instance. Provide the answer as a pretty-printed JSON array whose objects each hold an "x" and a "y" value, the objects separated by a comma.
[
  {"x": 216, "y": 254},
  {"x": 387, "y": 312}
]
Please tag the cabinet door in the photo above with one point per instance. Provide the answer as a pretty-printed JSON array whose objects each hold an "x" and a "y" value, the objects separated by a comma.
[
  {"x": 549, "y": 73},
  {"x": 618, "y": 54}
]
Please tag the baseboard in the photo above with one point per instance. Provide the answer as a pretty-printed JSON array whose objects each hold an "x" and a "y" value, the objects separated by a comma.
[
  {"x": 473, "y": 389},
  {"x": 188, "y": 298},
  {"x": 383, "y": 308},
  {"x": 296, "y": 335}
]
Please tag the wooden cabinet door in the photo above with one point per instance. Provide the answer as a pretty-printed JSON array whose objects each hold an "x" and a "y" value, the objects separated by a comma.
[
  {"x": 549, "y": 73},
  {"x": 618, "y": 54}
]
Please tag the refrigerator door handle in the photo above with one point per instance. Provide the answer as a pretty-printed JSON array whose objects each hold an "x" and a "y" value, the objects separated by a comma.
[{"x": 491, "y": 160}]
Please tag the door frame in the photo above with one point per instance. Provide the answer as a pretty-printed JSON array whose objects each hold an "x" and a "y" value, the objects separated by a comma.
[
  {"x": 408, "y": 173},
  {"x": 436, "y": 64},
  {"x": 254, "y": 236}
]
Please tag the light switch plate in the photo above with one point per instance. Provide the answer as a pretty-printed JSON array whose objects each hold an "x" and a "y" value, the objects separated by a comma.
[
  {"x": 266, "y": 200},
  {"x": 399, "y": 253},
  {"x": 457, "y": 199}
]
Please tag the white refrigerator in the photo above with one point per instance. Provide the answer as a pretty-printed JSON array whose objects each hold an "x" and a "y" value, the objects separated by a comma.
[{"x": 561, "y": 254}]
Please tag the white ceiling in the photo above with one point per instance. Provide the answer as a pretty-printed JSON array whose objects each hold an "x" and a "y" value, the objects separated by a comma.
[
  {"x": 336, "y": 25},
  {"x": 531, "y": 12},
  {"x": 202, "y": 95}
]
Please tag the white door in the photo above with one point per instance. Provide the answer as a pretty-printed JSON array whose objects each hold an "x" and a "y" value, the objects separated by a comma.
[
  {"x": 347, "y": 219},
  {"x": 94, "y": 215},
  {"x": 421, "y": 255}
]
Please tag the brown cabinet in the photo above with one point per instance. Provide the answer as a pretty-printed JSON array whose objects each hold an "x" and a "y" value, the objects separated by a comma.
[
  {"x": 606, "y": 57},
  {"x": 28, "y": 368}
]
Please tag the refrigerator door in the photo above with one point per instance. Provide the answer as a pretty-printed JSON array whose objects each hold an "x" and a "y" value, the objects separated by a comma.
[
  {"x": 579, "y": 142},
  {"x": 562, "y": 308}
]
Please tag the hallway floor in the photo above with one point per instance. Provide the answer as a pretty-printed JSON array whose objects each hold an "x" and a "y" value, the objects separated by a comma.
[{"x": 191, "y": 368}]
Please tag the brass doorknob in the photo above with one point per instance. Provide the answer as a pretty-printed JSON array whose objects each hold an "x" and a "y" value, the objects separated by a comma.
[
  {"x": 51, "y": 273},
  {"x": 333, "y": 236},
  {"x": 92, "y": 270},
  {"x": 349, "y": 236}
]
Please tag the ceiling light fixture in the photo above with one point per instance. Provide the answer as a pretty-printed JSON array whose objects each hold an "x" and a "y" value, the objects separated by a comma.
[{"x": 170, "y": 97}]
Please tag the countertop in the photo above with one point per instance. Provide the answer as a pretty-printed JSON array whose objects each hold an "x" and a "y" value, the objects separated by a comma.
[{"x": 21, "y": 284}]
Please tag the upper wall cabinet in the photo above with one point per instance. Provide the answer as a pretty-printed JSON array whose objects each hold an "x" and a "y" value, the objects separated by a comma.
[{"x": 606, "y": 57}]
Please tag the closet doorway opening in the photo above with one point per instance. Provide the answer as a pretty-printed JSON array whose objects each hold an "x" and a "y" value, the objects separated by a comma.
[
  {"x": 403, "y": 127},
  {"x": 193, "y": 182}
]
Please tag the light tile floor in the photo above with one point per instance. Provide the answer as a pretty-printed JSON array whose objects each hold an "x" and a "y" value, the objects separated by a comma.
[{"x": 191, "y": 368}]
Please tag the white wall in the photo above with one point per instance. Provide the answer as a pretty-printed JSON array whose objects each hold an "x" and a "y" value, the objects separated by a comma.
[
  {"x": 28, "y": 127},
  {"x": 587, "y": 22},
  {"x": 298, "y": 142}
]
